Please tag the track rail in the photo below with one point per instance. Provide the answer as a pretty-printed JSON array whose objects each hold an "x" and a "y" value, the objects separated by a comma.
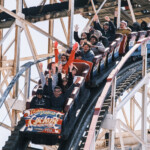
[
  {"x": 127, "y": 77},
  {"x": 111, "y": 82}
]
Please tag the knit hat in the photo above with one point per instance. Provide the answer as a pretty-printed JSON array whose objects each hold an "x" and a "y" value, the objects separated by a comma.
[
  {"x": 106, "y": 24},
  {"x": 98, "y": 33},
  {"x": 124, "y": 22}
]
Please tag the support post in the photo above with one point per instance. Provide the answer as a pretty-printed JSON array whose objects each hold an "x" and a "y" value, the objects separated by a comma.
[
  {"x": 144, "y": 97},
  {"x": 132, "y": 114},
  {"x": 113, "y": 112},
  {"x": 131, "y": 10},
  {"x": 90, "y": 21},
  {"x": 50, "y": 42},
  {"x": 70, "y": 22},
  {"x": 17, "y": 56},
  {"x": 1, "y": 36},
  {"x": 119, "y": 13},
  {"x": 27, "y": 85}
]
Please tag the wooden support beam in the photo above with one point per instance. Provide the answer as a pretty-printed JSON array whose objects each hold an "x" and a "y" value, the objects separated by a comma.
[
  {"x": 6, "y": 126},
  {"x": 24, "y": 4},
  {"x": 124, "y": 114},
  {"x": 32, "y": 46},
  {"x": 51, "y": 30},
  {"x": 33, "y": 26},
  {"x": 25, "y": 59}
]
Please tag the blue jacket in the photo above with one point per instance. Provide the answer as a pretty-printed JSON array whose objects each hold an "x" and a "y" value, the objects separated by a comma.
[{"x": 88, "y": 56}]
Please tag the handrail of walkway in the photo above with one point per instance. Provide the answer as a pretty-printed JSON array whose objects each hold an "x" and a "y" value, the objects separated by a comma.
[{"x": 99, "y": 104}]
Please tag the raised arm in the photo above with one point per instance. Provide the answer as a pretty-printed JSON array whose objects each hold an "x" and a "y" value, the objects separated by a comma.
[
  {"x": 97, "y": 25},
  {"x": 56, "y": 51},
  {"x": 50, "y": 84},
  {"x": 70, "y": 89},
  {"x": 43, "y": 80},
  {"x": 76, "y": 37},
  {"x": 112, "y": 27}
]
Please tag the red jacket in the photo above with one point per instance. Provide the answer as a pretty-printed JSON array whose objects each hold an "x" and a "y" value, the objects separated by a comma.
[{"x": 71, "y": 57}]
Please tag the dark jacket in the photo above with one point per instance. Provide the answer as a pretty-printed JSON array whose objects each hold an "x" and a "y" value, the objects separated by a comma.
[
  {"x": 60, "y": 82},
  {"x": 104, "y": 40},
  {"x": 88, "y": 56},
  {"x": 76, "y": 37},
  {"x": 59, "y": 102},
  {"x": 45, "y": 90},
  {"x": 39, "y": 103},
  {"x": 110, "y": 33}
]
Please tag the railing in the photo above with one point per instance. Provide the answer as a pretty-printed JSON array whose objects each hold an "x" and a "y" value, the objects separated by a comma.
[
  {"x": 111, "y": 82},
  {"x": 24, "y": 68}
]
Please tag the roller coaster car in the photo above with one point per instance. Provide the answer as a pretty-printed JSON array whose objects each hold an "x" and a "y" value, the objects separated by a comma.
[
  {"x": 46, "y": 126},
  {"x": 141, "y": 35}
]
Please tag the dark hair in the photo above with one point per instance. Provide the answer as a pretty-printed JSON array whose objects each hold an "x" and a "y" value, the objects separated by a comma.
[
  {"x": 46, "y": 72},
  {"x": 94, "y": 36},
  {"x": 64, "y": 79},
  {"x": 58, "y": 87},
  {"x": 39, "y": 91},
  {"x": 83, "y": 39},
  {"x": 83, "y": 33},
  {"x": 87, "y": 43},
  {"x": 78, "y": 53},
  {"x": 65, "y": 56},
  {"x": 49, "y": 66}
]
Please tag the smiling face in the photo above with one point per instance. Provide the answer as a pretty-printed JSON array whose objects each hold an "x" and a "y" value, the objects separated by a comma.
[
  {"x": 86, "y": 48},
  {"x": 122, "y": 25},
  {"x": 64, "y": 81},
  {"x": 63, "y": 58},
  {"x": 39, "y": 96},
  {"x": 83, "y": 35},
  {"x": 57, "y": 92},
  {"x": 106, "y": 27},
  {"x": 92, "y": 40}
]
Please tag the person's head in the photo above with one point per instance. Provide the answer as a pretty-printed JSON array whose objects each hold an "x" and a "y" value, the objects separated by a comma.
[
  {"x": 123, "y": 24},
  {"x": 64, "y": 81},
  {"x": 39, "y": 93},
  {"x": 106, "y": 26},
  {"x": 86, "y": 46},
  {"x": 136, "y": 26},
  {"x": 91, "y": 30},
  {"x": 84, "y": 35},
  {"x": 143, "y": 24},
  {"x": 98, "y": 33},
  {"x": 64, "y": 59},
  {"x": 93, "y": 39},
  {"x": 82, "y": 40},
  {"x": 74, "y": 70},
  {"x": 78, "y": 55},
  {"x": 57, "y": 91}
]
